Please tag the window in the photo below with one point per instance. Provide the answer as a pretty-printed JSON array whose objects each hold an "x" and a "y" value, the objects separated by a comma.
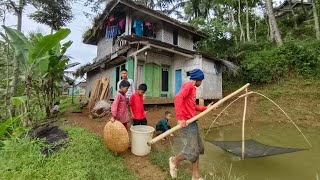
[
  {"x": 165, "y": 79},
  {"x": 175, "y": 37},
  {"x": 118, "y": 73},
  {"x": 195, "y": 43}
]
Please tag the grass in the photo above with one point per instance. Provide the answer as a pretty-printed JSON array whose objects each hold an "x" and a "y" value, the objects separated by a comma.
[
  {"x": 160, "y": 158},
  {"x": 66, "y": 102},
  {"x": 298, "y": 97},
  {"x": 76, "y": 108},
  {"x": 84, "y": 157}
]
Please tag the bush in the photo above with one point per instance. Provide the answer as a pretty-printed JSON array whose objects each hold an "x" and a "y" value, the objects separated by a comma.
[{"x": 280, "y": 62}]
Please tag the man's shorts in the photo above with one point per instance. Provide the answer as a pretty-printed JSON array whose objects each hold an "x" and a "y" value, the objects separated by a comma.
[{"x": 193, "y": 145}]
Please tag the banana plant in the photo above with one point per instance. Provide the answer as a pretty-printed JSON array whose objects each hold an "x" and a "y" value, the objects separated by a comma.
[{"x": 35, "y": 57}]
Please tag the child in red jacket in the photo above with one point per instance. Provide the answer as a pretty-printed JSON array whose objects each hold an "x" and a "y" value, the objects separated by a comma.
[{"x": 137, "y": 107}]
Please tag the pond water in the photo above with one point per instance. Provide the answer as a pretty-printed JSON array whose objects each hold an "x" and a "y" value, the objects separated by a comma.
[{"x": 302, "y": 165}]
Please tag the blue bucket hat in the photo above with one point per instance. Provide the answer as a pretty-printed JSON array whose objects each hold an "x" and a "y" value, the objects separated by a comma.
[{"x": 196, "y": 74}]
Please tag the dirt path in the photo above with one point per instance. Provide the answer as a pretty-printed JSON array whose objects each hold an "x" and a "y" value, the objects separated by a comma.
[{"x": 142, "y": 166}]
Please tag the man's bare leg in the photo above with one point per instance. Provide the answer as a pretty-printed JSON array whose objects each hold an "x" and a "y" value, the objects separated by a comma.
[
  {"x": 177, "y": 159},
  {"x": 195, "y": 169}
]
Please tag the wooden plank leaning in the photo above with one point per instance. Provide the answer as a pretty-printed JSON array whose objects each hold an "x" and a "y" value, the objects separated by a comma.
[{"x": 177, "y": 127}]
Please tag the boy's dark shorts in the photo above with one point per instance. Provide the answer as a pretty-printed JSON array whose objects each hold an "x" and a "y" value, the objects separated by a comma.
[
  {"x": 140, "y": 122},
  {"x": 193, "y": 145}
]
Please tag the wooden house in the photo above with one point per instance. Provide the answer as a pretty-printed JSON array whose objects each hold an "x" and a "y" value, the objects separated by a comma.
[
  {"x": 287, "y": 6},
  {"x": 162, "y": 55}
]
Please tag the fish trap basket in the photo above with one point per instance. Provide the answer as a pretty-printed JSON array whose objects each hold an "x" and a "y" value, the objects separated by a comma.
[{"x": 116, "y": 136}]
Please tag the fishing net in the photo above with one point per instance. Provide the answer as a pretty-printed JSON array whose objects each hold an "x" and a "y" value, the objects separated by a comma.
[{"x": 253, "y": 149}]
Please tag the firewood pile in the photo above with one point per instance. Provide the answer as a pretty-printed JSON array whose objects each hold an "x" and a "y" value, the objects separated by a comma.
[{"x": 99, "y": 101}]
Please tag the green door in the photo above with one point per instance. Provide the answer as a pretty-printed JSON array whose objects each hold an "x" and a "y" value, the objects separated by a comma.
[{"x": 152, "y": 76}]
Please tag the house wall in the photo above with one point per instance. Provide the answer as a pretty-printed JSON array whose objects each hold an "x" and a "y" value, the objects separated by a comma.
[
  {"x": 185, "y": 40},
  {"x": 95, "y": 74},
  {"x": 160, "y": 30},
  {"x": 167, "y": 34},
  {"x": 104, "y": 48},
  {"x": 156, "y": 58},
  {"x": 212, "y": 85},
  {"x": 185, "y": 64}
]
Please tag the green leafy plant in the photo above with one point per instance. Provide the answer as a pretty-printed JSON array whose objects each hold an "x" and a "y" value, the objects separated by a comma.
[
  {"x": 36, "y": 56},
  {"x": 6, "y": 124}
]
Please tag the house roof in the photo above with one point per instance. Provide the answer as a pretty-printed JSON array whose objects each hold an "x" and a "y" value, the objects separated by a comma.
[
  {"x": 293, "y": 3},
  {"x": 285, "y": 8},
  {"x": 120, "y": 55},
  {"x": 91, "y": 37}
]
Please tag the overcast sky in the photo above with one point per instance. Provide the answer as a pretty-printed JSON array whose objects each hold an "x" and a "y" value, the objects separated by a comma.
[{"x": 79, "y": 51}]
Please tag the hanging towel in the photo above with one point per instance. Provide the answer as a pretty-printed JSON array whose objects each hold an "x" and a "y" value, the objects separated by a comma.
[
  {"x": 122, "y": 24},
  {"x": 138, "y": 26}
]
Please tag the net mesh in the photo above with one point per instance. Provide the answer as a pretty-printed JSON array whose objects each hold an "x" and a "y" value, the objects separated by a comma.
[{"x": 253, "y": 149}]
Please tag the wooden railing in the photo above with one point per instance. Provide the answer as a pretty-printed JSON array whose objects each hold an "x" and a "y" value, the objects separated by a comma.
[{"x": 119, "y": 43}]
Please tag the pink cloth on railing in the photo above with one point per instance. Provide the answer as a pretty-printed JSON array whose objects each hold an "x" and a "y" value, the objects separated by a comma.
[{"x": 121, "y": 23}]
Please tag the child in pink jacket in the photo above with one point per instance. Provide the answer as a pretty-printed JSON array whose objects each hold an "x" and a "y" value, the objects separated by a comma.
[{"x": 119, "y": 108}]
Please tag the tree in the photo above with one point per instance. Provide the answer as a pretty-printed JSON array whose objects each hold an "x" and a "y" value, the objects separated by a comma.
[
  {"x": 274, "y": 30},
  {"x": 54, "y": 13},
  {"x": 18, "y": 10},
  {"x": 316, "y": 19},
  {"x": 247, "y": 21},
  {"x": 240, "y": 23},
  {"x": 34, "y": 58}
]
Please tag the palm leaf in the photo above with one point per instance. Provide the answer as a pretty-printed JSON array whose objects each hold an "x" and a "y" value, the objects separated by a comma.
[
  {"x": 20, "y": 44},
  {"x": 65, "y": 46},
  {"x": 47, "y": 43}
]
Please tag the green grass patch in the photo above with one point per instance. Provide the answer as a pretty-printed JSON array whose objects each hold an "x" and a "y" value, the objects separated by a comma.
[
  {"x": 160, "y": 158},
  {"x": 76, "y": 108},
  {"x": 83, "y": 157},
  {"x": 66, "y": 102}
]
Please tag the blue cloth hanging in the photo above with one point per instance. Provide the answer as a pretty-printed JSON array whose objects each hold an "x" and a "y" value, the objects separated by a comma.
[
  {"x": 138, "y": 26},
  {"x": 112, "y": 32}
]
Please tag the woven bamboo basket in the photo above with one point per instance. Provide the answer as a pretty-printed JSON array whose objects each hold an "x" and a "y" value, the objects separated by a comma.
[{"x": 116, "y": 136}]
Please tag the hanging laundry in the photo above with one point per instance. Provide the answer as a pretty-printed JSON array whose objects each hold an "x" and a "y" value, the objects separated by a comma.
[
  {"x": 112, "y": 32},
  {"x": 122, "y": 26},
  {"x": 154, "y": 30},
  {"x": 148, "y": 31},
  {"x": 148, "y": 24},
  {"x": 138, "y": 26},
  {"x": 110, "y": 21}
]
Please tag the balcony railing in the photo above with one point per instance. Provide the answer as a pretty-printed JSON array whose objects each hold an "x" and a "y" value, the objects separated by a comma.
[{"x": 119, "y": 43}]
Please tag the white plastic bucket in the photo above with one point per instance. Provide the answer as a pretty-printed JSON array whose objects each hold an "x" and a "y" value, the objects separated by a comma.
[{"x": 140, "y": 135}]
